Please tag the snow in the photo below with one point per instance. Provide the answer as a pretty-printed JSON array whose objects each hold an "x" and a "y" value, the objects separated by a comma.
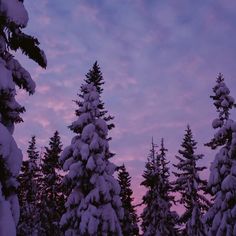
[
  {"x": 2, "y": 44},
  {"x": 9, "y": 151},
  {"x": 91, "y": 164},
  {"x": 82, "y": 120},
  {"x": 6, "y": 81},
  {"x": 7, "y": 224},
  {"x": 217, "y": 123},
  {"x": 84, "y": 151},
  {"x": 88, "y": 132},
  {"x": 224, "y": 103},
  {"x": 101, "y": 126},
  {"x": 14, "y": 202},
  {"x": 229, "y": 183},
  {"x": 21, "y": 76},
  {"x": 15, "y": 12}
]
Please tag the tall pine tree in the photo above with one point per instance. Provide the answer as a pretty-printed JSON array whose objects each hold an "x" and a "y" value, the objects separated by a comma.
[
  {"x": 28, "y": 192},
  {"x": 13, "y": 18},
  {"x": 221, "y": 217},
  {"x": 129, "y": 224},
  {"x": 157, "y": 218},
  {"x": 93, "y": 206},
  {"x": 191, "y": 187},
  {"x": 51, "y": 192}
]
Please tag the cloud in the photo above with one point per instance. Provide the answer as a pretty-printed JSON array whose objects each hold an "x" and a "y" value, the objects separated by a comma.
[{"x": 159, "y": 63}]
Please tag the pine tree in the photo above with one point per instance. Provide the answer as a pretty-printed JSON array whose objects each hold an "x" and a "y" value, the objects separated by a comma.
[
  {"x": 13, "y": 18},
  {"x": 157, "y": 219},
  {"x": 221, "y": 217},
  {"x": 28, "y": 192},
  {"x": 95, "y": 76},
  {"x": 165, "y": 175},
  {"x": 191, "y": 187},
  {"x": 129, "y": 224},
  {"x": 93, "y": 206},
  {"x": 51, "y": 192}
]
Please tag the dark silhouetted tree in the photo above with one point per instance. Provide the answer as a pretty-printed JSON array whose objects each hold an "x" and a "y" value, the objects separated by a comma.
[
  {"x": 129, "y": 224},
  {"x": 157, "y": 218},
  {"x": 191, "y": 187},
  {"x": 29, "y": 192},
  {"x": 51, "y": 193}
]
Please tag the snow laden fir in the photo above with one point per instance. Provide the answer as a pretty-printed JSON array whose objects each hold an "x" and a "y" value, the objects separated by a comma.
[
  {"x": 93, "y": 206},
  {"x": 221, "y": 217},
  {"x": 13, "y": 17}
]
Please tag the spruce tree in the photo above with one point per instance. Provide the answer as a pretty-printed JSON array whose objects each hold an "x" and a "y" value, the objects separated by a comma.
[
  {"x": 167, "y": 187},
  {"x": 93, "y": 206},
  {"x": 13, "y": 18},
  {"x": 191, "y": 187},
  {"x": 129, "y": 224},
  {"x": 157, "y": 219},
  {"x": 95, "y": 76},
  {"x": 29, "y": 191},
  {"x": 221, "y": 217},
  {"x": 51, "y": 192}
]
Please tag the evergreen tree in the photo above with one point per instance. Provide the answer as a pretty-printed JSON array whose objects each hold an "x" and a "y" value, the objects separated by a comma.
[
  {"x": 191, "y": 187},
  {"x": 221, "y": 217},
  {"x": 93, "y": 206},
  {"x": 13, "y": 18},
  {"x": 95, "y": 76},
  {"x": 157, "y": 219},
  {"x": 129, "y": 224},
  {"x": 165, "y": 175},
  {"x": 28, "y": 192},
  {"x": 51, "y": 193}
]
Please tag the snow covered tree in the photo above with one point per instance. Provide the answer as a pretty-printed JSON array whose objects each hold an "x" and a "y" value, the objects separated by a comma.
[
  {"x": 13, "y": 17},
  {"x": 221, "y": 217},
  {"x": 93, "y": 206},
  {"x": 29, "y": 191},
  {"x": 51, "y": 192},
  {"x": 129, "y": 224},
  {"x": 191, "y": 187},
  {"x": 157, "y": 219},
  {"x": 95, "y": 76}
]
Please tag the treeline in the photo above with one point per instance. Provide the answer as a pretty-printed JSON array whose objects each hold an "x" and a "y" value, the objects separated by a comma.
[{"x": 75, "y": 193}]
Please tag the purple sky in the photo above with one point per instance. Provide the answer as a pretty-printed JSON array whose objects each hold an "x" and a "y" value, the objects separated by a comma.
[{"x": 159, "y": 61}]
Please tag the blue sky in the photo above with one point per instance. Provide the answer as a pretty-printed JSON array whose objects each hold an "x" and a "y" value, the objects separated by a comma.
[{"x": 159, "y": 60}]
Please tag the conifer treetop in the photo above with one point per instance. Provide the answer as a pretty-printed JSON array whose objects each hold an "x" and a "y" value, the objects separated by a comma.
[
  {"x": 223, "y": 103},
  {"x": 95, "y": 76},
  {"x": 129, "y": 222},
  {"x": 53, "y": 151},
  {"x": 33, "y": 153},
  {"x": 157, "y": 218},
  {"x": 222, "y": 100}
]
